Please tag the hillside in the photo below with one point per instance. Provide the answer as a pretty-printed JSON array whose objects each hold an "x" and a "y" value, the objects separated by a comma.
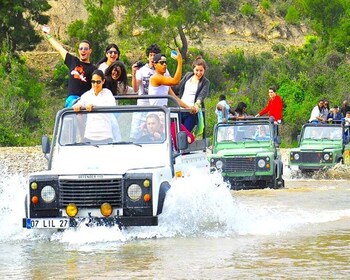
[{"x": 228, "y": 32}]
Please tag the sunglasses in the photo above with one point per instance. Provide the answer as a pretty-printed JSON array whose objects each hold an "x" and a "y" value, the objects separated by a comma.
[
  {"x": 96, "y": 82},
  {"x": 83, "y": 48},
  {"x": 161, "y": 62},
  {"x": 112, "y": 52}
]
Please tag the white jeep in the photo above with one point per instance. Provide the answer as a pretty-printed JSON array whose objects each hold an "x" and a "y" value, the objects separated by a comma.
[{"x": 117, "y": 177}]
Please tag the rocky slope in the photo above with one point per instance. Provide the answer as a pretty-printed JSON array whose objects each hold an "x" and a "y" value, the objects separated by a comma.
[{"x": 226, "y": 33}]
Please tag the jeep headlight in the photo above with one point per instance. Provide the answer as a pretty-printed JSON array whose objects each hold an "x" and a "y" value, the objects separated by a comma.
[
  {"x": 134, "y": 192},
  {"x": 48, "y": 194},
  {"x": 326, "y": 156},
  {"x": 219, "y": 164},
  {"x": 296, "y": 156},
  {"x": 261, "y": 163}
]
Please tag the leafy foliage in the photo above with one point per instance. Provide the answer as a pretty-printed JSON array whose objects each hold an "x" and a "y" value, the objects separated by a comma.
[
  {"x": 16, "y": 23},
  {"x": 318, "y": 69},
  {"x": 21, "y": 101},
  {"x": 168, "y": 23},
  {"x": 247, "y": 10},
  {"x": 95, "y": 29},
  {"x": 292, "y": 15}
]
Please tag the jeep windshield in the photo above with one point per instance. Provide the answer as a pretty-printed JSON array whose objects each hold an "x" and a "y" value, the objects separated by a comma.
[
  {"x": 319, "y": 133},
  {"x": 112, "y": 127},
  {"x": 243, "y": 132}
]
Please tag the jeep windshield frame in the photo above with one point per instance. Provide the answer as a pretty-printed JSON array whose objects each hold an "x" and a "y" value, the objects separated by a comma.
[
  {"x": 105, "y": 126},
  {"x": 252, "y": 132},
  {"x": 320, "y": 132}
]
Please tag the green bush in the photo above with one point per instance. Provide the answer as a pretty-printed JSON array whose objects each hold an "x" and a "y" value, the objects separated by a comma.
[
  {"x": 21, "y": 102},
  {"x": 248, "y": 10},
  {"x": 265, "y": 4},
  {"x": 292, "y": 16}
]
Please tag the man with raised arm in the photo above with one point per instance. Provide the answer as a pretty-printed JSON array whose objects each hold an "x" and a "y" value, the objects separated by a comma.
[{"x": 80, "y": 68}]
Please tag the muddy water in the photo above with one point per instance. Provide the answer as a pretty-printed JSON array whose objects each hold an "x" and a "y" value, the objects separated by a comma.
[{"x": 205, "y": 232}]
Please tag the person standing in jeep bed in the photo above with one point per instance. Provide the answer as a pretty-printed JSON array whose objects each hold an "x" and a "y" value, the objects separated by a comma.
[
  {"x": 80, "y": 68},
  {"x": 274, "y": 106}
]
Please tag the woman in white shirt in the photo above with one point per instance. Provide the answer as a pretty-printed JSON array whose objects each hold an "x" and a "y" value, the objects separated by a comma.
[
  {"x": 99, "y": 127},
  {"x": 193, "y": 89}
]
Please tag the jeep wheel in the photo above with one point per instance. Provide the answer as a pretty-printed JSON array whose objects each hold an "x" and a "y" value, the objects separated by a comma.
[{"x": 279, "y": 183}]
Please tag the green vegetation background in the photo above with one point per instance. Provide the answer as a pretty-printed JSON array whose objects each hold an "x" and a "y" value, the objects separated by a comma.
[{"x": 318, "y": 69}]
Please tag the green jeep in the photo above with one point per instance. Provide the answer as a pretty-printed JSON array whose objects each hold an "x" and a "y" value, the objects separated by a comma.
[
  {"x": 247, "y": 154},
  {"x": 321, "y": 145}
]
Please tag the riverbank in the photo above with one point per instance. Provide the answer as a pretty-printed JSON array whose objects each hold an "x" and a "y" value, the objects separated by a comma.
[{"x": 23, "y": 160}]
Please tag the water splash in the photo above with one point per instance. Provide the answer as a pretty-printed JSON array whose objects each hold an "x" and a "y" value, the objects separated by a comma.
[{"x": 199, "y": 205}]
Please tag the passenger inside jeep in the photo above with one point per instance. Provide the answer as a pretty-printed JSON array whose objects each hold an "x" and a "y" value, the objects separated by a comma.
[
  {"x": 101, "y": 128},
  {"x": 262, "y": 133},
  {"x": 153, "y": 130}
]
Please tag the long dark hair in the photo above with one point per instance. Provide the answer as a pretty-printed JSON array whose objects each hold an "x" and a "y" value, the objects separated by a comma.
[
  {"x": 110, "y": 46},
  {"x": 113, "y": 85},
  {"x": 240, "y": 107}
]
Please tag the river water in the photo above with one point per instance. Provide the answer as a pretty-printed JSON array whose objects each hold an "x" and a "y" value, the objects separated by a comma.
[{"x": 204, "y": 232}]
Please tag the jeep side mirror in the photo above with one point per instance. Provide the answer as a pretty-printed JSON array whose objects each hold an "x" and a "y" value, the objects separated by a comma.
[
  {"x": 298, "y": 138},
  {"x": 45, "y": 144},
  {"x": 181, "y": 140}
]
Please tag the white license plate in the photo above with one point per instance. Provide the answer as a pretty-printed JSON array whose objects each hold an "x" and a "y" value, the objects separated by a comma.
[{"x": 59, "y": 223}]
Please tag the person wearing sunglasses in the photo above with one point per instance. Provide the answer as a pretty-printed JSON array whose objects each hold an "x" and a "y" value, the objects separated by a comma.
[
  {"x": 160, "y": 84},
  {"x": 97, "y": 95},
  {"x": 112, "y": 54},
  {"x": 99, "y": 127},
  {"x": 80, "y": 68}
]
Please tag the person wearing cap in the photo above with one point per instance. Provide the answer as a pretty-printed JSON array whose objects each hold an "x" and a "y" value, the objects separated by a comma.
[
  {"x": 160, "y": 85},
  {"x": 335, "y": 116}
]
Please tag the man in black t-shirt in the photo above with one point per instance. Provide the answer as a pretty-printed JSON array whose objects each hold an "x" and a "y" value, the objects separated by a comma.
[{"x": 80, "y": 68}]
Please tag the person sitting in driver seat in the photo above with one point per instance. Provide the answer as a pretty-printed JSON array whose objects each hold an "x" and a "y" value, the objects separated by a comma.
[{"x": 153, "y": 129}]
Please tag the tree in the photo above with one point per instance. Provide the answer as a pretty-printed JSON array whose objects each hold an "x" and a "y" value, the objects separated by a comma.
[
  {"x": 95, "y": 28},
  {"x": 16, "y": 23},
  {"x": 330, "y": 19},
  {"x": 173, "y": 22}
]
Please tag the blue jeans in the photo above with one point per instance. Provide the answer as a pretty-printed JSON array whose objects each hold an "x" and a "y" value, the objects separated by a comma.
[
  {"x": 71, "y": 100},
  {"x": 189, "y": 120}
]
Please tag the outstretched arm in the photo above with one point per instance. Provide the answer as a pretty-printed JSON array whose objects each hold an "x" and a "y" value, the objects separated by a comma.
[
  {"x": 159, "y": 80},
  {"x": 54, "y": 43}
]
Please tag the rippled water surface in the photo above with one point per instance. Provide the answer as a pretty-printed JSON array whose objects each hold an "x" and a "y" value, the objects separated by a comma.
[{"x": 205, "y": 232}]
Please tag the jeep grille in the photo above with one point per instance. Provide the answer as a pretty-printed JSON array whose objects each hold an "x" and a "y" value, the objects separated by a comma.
[
  {"x": 91, "y": 193},
  {"x": 240, "y": 164},
  {"x": 314, "y": 157}
]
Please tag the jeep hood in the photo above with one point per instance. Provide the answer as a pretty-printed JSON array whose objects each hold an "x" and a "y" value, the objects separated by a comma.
[
  {"x": 105, "y": 159},
  {"x": 242, "y": 152},
  {"x": 319, "y": 147}
]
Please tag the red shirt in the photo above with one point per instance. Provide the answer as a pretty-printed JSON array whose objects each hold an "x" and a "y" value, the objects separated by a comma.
[
  {"x": 274, "y": 108},
  {"x": 182, "y": 128}
]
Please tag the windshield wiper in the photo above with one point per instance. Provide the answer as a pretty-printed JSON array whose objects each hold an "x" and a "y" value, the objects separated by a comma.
[
  {"x": 83, "y": 144},
  {"x": 124, "y": 143},
  {"x": 78, "y": 144}
]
